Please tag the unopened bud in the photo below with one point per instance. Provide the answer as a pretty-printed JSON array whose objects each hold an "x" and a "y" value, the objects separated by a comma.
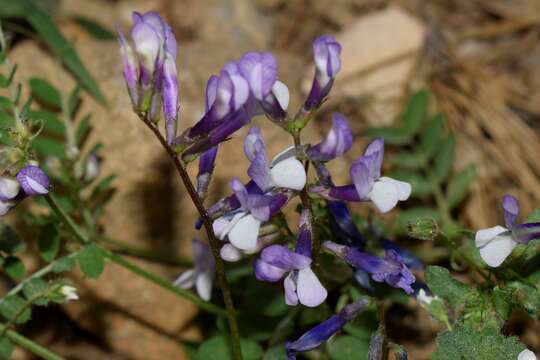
[{"x": 423, "y": 228}]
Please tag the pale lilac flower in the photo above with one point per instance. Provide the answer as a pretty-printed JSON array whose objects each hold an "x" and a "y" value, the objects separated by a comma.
[
  {"x": 496, "y": 244},
  {"x": 327, "y": 53},
  {"x": 202, "y": 275},
  {"x": 322, "y": 332},
  {"x": 337, "y": 142},
  {"x": 368, "y": 184},
  {"x": 526, "y": 355},
  {"x": 390, "y": 270},
  {"x": 260, "y": 71},
  {"x": 33, "y": 181},
  {"x": 278, "y": 262},
  {"x": 9, "y": 189}
]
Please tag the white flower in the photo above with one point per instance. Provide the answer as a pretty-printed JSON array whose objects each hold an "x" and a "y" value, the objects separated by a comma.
[
  {"x": 424, "y": 298},
  {"x": 495, "y": 244},
  {"x": 526, "y": 355},
  {"x": 69, "y": 292}
]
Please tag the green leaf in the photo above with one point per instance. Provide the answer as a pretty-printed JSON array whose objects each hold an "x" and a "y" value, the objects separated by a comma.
[
  {"x": 10, "y": 243},
  {"x": 444, "y": 159},
  {"x": 63, "y": 264},
  {"x": 92, "y": 261},
  {"x": 409, "y": 159},
  {"x": 94, "y": 28},
  {"x": 420, "y": 185},
  {"x": 347, "y": 348},
  {"x": 46, "y": 28},
  {"x": 6, "y": 348},
  {"x": 5, "y": 103},
  {"x": 35, "y": 289},
  {"x": 218, "y": 348},
  {"x": 4, "y": 81},
  {"x": 525, "y": 297},
  {"x": 103, "y": 185},
  {"x": 406, "y": 216},
  {"x": 74, "y": 100},
  {"x": 534, "y": 216},
  {"x": 51, "y": 123},
  {"x": 45, "y": 93},
  {"x": 12, "y": 306},
  {"x": 276, "y": 352},
  {"x": 49, "y": 147},
  {"x": 467, "y": 344},
  {"x": 431, "y": 136},
  {"x": 14, "y": 267},
  {"x": 6, "y": 120},
  {"x": 83, "y": 129},
  {"x": 49, "y": 242},
  {"x": 459, "y": 185},
  {"x": 442, "y": 284}
]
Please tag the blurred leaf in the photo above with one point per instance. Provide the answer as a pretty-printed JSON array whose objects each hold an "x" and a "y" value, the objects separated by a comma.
[
  {"x": 35, "y": 289},
  {"x": 363, "y": 326},
  {"x": 5, "y": 138},
  {"x": 74, "y": 100},
  {"x": 103, "y": 185},
  {"x": 218, "y": 348},
  {"x": 51, "y": 123},
  {"x": 458, "y": 186},
  {"x": 64, "y": 264},
  {"x": 6, "y": 120},
  {"x": 6, "y": 348},
  {"x": 534, "y": 216},
  {"x": 14, "y": 267},
  {"x": 83, "y": 129},
  {"x": 420, "y": 184},
  {"x": 347, "y": 348},
  {"x": 10, "y": 242},
  {"x": 5, "y": 103},
  {"x": 49, "y": 147},
  {"x": 525, "y": 297},
  {"x": 46, "y": 28},
  {"x": 45, "y": 93},
  {"x": 92, "y": 261},
  {"x": 444, "y": 159},
  {"x": 442, "y": 284},
  {"x": 431, "y": 135},
  {"x": 49, "y": 242},
  {"x": 409, "y": 159},
  {"x": 13, "y": 305},
  {"x": 4, "y": 81},
  {"x": 413, "y": 116},
  {"x": 94, "y": 28},
  {"x": 276, "y": 352},
  {"x": 467, "y": 344}
]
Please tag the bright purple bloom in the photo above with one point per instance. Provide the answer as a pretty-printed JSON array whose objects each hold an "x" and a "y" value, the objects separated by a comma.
[
  {"x": 260, "y": 71},
  {"x": 496, "y": 244},
  {"x": 327, "y": 53},
  {"x": 337, "y": 142},
  {"x": 368, "y": 185},
  {"x": 391, "y": 269},
  {"x": 206, "y": 169},
  {"x": 33, "y": 181},
  {"x": 278, "y": 262},
  {"x": 202, "y": 275},
  {"x": 322, "y": 332}
]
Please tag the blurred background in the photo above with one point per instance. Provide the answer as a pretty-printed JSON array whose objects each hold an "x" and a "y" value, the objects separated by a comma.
[{"x": 478, "y": 59}]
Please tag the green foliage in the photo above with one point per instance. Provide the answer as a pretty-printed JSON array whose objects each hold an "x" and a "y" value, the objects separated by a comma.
[
  {"x": 442, "y": 284},
  {"x": 63, "y": 264},
  {"x": 92, "y": 261},
  {"x": 423, "y": 228},
  {"x": 45, "y": 93},
  {"x": 93, "y": 28},
  {"x": 14, "y": 267},
  {"x": 6, "y": 348},
  {"x": 15, "y": 307},
  {"x": 276, "y": 352},
  {"x": 10, "y": 243},
  {"x": 218, "y": 348},
  {"x": 464, "y": 343},
  {"x": 35, "y": 289},
  {"x": 459, "y": 185},
  {"x": 49, "y": 242},
  {"x": 45, "y": 27},
  {"x": 348, "y": 347}
]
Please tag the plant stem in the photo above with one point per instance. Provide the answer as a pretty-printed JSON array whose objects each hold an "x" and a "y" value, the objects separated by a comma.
[
  {"x": 29, "y": 345},
  {"x": 214, "y": 242},
  {"x": 130, "y": 266}
]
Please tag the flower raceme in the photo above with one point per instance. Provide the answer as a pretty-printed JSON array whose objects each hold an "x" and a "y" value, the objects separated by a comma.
[{"x": 495, "y": 244}]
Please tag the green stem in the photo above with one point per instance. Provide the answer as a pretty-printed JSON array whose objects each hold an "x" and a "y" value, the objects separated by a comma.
[
  {"x": 144, "y": 253},
  {"x": 212, "y": 239},
  {"x": 81, "y": 236},
  {"x": 211, "y": 308},
  {"x": 29, "y": 345}
]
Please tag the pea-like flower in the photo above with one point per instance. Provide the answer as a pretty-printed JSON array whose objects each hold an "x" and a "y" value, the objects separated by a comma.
[
  {"x": 33, "y": 181},
  {"x": 496, "y": 243},
  {"x": 9, "y": 189},
  {"x": 327, "y": 52},
  {"x": 526, "y": 355},
  {"x": 202, "y": 275},
  {"x": 368, "y": 184},
  {"x": 322, "y": 332},
  {"x": 337, "y": 142},
  {"x": 278, "y": 262},
  {"x": 391, "y": 270}
]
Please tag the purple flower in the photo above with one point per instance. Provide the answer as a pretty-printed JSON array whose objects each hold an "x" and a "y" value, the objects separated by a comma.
[
  {"x": 327, "y": 53},
  {"x": 346, "y": 228},
  {"x": 286, "y": 171},
  {"x": 322, "y": 332},
  {"x": 496, "y": 244},
  {"x": 33, "y": 180},
  {"x": 276, "y": 102},
  {"x": 149, "y": 68},
  {"x": 202, "y": 275},
  {"x": 337, "y": 142},
  {"x": 9, "y": 189},
  {"x": 391, "y": 269},
  {"x": 242, "y": 226},
  {"x": 206, "y": 168},
  {"x": 368, "y": 185},
  {"x": 260, "y": 71},
  {"x": 278, "y": 262}
]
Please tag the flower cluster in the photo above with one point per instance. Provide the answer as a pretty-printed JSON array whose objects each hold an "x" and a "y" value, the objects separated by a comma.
[{"x": 251, "y": 219}]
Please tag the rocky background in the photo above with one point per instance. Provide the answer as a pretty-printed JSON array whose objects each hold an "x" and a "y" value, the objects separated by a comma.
[{"x": 480, "y": 60}]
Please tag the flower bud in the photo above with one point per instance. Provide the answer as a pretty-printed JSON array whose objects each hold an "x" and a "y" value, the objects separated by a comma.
[{"x": 425, "y": 228}]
